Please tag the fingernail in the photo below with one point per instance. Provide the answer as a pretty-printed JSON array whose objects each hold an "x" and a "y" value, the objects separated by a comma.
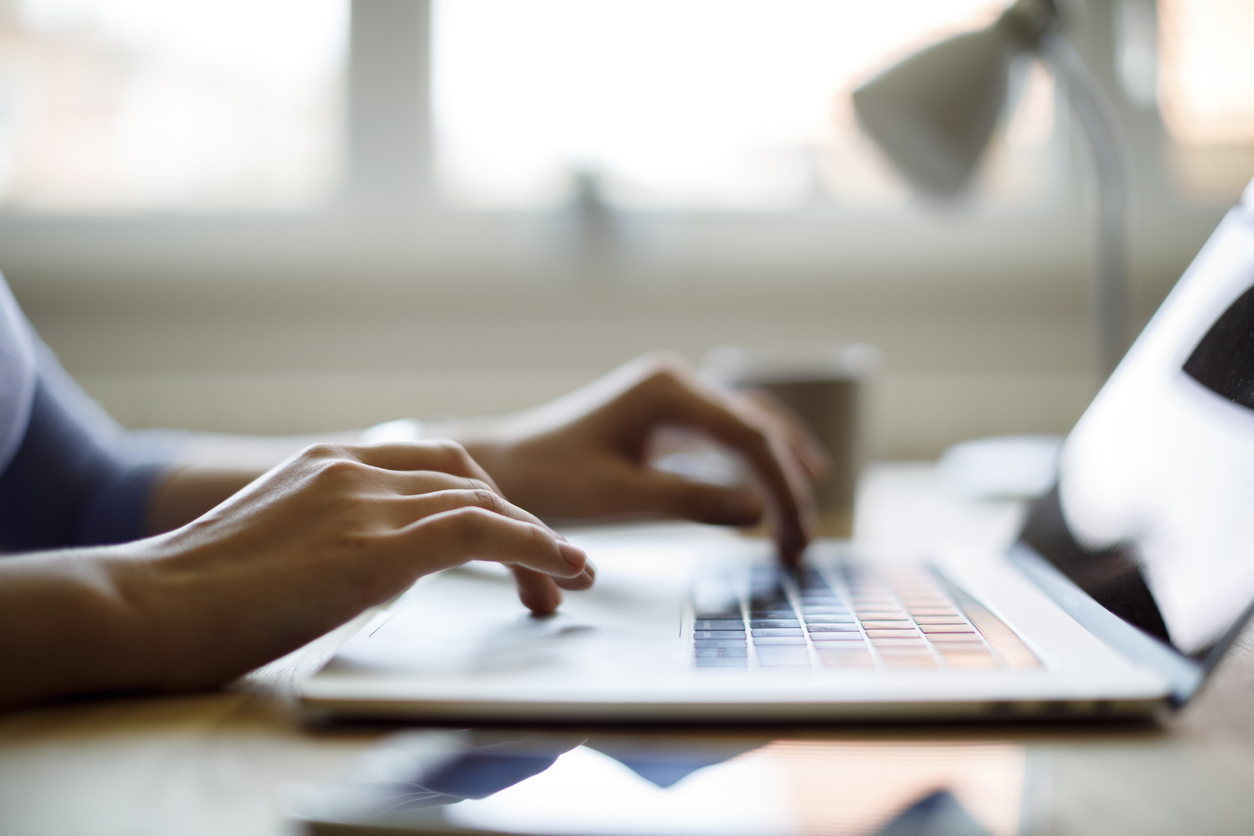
[
  {"x": 573, "y": 555},
  {"x": 740, "y": 508}
]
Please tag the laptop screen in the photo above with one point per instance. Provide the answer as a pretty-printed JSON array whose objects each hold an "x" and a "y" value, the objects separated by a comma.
[{"x": 1153, "y": 515}]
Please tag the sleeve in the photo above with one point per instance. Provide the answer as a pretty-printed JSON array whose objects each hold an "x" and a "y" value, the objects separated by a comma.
[{"x": 77, "y": 478}]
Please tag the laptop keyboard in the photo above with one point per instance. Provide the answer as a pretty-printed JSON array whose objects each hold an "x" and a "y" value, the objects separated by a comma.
[{"x": 849, "y": 618}]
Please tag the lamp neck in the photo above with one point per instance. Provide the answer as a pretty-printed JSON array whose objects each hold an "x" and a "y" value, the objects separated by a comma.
[{"x": 1027, "y": 21}]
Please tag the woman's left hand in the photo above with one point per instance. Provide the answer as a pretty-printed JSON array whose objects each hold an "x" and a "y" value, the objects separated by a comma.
[{"x": 584, "y": 456}]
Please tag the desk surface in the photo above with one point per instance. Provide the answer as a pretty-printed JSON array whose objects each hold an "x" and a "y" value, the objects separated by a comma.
[{"x": 215, "y": 763}]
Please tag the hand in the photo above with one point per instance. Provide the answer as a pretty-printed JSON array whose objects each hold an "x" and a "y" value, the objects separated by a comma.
[
  {"x": 584, "y": 456},
  {"x": 320, "y": 538}
]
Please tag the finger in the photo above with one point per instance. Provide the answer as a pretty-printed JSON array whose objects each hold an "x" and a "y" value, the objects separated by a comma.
[
  {"x": 786, "y": 486},
  {"x": 542, "y": 594},
  {"x": 537, "y": 591},
  {"x": 408, "y": 509},
  {"x": 453, "y": 537},
  {"x": 801, "y": 439},
  {"x": 415, "y": 482},
  {"x": 649, "y": 491},
  {"x": 584, "y": 580},
  {"x": 439, "y": 455}
]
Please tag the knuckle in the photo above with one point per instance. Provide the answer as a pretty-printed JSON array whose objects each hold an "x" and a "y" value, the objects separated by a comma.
[
  {"x": 324, "y": 450},
  {"x": 339, "y": 471},
  {"x": 467, "y": 523},
  {"x": 662, "y": 378},
  {"x": 450, "y": 450},
  {"x": 487, "y": 499}
]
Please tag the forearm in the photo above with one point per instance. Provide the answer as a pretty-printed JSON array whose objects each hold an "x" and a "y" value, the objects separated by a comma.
[{"x": 67, "y": 628}]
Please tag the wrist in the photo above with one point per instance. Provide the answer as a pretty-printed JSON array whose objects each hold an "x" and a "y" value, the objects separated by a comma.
[{"x": 69, "y": 627}]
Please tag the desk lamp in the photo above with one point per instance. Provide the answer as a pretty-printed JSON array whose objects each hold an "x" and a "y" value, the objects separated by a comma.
[{"x": 933, "y": 113}]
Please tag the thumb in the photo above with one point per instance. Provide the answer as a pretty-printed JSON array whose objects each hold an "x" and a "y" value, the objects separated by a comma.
[{"x": 659, "y": 492}]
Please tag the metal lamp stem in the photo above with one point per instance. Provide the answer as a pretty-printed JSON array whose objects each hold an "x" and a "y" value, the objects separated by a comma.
[{"x": 1097, "y": 116}]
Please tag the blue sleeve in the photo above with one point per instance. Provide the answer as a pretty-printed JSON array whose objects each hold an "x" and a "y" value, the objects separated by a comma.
[{"x": 78, "y": 478}]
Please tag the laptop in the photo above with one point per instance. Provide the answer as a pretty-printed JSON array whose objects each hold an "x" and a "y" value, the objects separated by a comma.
[{"x": 1128, "y": 583}]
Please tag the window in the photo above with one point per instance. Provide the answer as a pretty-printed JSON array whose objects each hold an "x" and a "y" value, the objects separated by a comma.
[
  {"x": 138, "y": 105},
  {"x": 691, "y": 104},
  {"x": 1206, "y": 93}
]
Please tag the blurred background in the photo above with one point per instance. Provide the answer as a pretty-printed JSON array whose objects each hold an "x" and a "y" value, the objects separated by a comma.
[{"x": 286, "y": 216}]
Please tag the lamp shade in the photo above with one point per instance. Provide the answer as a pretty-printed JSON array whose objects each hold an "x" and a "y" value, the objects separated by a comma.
[{"x": 933, "y": 112}]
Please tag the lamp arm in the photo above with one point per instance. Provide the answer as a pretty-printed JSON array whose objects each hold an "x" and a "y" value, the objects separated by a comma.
[{"x": 1108, "y": 143}]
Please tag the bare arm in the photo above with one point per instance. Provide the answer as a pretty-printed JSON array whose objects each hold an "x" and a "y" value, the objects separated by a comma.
[
  {"x": 582, "y": 457},
  {"x": 67, "y": 628},
  {"x": 296, "y": 553}
]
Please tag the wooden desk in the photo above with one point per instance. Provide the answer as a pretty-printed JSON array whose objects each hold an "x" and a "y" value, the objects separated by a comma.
[{"x": 214, "y": 763}]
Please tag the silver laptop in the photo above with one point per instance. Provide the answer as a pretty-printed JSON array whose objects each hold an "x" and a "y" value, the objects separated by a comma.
[{"x": 1129, "y": 581}]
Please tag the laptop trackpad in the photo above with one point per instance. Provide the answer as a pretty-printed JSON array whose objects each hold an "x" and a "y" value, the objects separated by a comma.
[{"x": 473, "y": 613}]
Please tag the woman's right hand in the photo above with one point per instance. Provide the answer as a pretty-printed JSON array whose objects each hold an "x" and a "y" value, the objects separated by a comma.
[{"x": 314, "y": 542}]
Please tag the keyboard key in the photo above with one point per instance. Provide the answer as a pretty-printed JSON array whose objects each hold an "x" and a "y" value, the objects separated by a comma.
[
  {"x": 830, "y": 619},
  {"x": 860, "y": 659},
  {"x": 719, "y": 642},
  {"x": 833, "y": 628},
  {"x": 766, "y": 624},
  {"x": 881, "y": 615},
  {"x": 719, "y": 652},
  {"x": 958, "y": 641},
  {"x": 824, "y": 610},
  {"x": 720, "y": 662},
  {"x": 887, "y": 624},
  {"x": 939, "y": 619},
  {"x": 970, "y": 661},
  {"x": 772, "y": 614},
  {"x": 719, "y": 634},
  {"x": 907, "y": 632},
  {"x": 791, "y": 655},
  {"x": 777, "y": 632},
  {"x": 1003, "y": 640},
  {"x": 925, "y": 601},
  {"x": 764, "y": 641},
  {"x": 719, "y": 624},
  {"x": 925, "y": 611},
  {"x": 910, "y": 660},
  {"x": 852, "y": 636},
  {"x": 781, "y": 650},
  {"x": 946, "y": 628}
]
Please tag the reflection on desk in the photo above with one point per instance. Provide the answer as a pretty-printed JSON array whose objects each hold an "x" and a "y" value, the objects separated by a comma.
[{"x": 642, "y": 785}]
